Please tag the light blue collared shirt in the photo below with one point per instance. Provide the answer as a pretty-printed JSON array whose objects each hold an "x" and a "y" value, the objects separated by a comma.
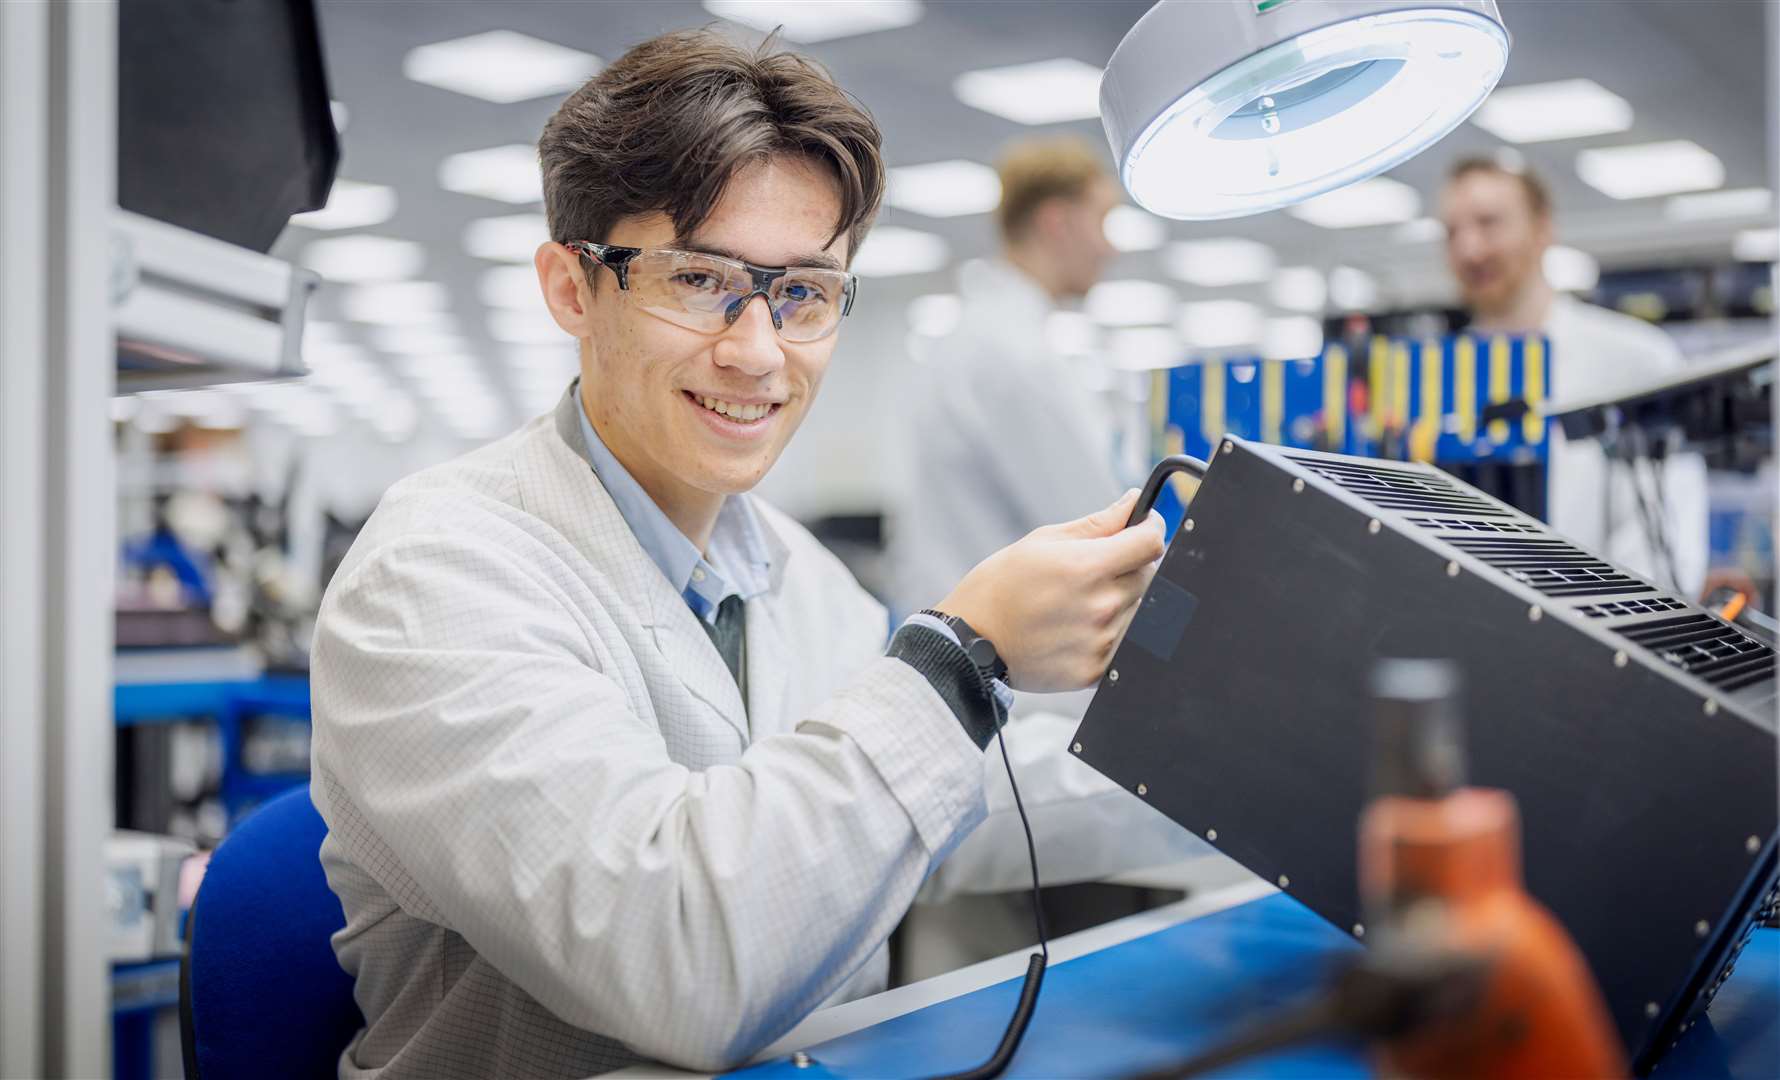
[{"x": 738, "y": 544}]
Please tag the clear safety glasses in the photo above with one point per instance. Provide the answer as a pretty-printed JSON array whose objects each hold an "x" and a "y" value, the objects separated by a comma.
[{"x": 708, "y": 293}]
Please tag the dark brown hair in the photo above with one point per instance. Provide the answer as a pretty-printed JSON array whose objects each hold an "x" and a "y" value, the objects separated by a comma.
[
  {"x": 1538, "y": 195},
  {"x": 1034, "y": 171},
  {"x": 672, "y": 120}
]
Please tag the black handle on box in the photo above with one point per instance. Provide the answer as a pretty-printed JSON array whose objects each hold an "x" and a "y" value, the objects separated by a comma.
[{"x": 1152, "y": 488}]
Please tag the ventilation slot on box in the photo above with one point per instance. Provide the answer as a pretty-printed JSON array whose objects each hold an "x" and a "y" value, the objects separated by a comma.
[
  {"x": 1707, "y": 648},
  {"x": 1640, "y": 606},
  {"x": 1442, "y": 524},
  {"x": 1401, "y": 489},
  {"x": 1552, "y": 566}
]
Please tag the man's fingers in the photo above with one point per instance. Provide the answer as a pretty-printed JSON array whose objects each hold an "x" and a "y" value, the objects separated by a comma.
[
  {"x": 1129, "y": 549},
  {"x": 1103, "y": 522}
]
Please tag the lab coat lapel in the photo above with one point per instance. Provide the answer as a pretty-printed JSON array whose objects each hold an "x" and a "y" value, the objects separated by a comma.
[
  {"x": 557, "y": 480},
  {"x": 769, "y": 668}
]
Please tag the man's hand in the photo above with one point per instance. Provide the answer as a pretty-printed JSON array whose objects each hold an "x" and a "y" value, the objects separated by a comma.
[{"x": 1057, "y": 602}]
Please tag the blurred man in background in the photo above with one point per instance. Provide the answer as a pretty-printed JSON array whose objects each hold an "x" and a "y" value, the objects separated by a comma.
[
  {"x": 1005, "y": 434},
  {"x": 1498, "y": 226}
]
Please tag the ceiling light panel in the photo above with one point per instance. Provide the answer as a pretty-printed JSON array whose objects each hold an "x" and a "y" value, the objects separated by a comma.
[
  {"x": 1216, "y": 262},
  {"x": 1711, "y": 205},
  {"x": 1132, "y": 303},
  {"x": 944, "y": 188},
  {"x": 1378, "y": 201},
  {"x": 1129, "y": 229},
  {"x": 505, "y": 173},
  {"x": 1042, "y": 92},
  {"x": 514, "y": 287},
  {"x": 890, "y": 251},
  {"x": 351, "y": 205},
  {"x": 1145, "y": 348},
  {"x": 1221, "y": 324},
  {"x": 398, "y": 303},
  {"x": 1569, "y": 270},
  {"x": 1543, "y": 112},
  {"x": 356, "y": 259},
  {"x": 416, "y": 340},
  {"x": 1646, "y": 169},
  {"x": 1352, "y": 289},
  {"x": 1299, "y": 288},
  {"x": 936, "y": 314},
  {"x": 513, "y": 238},
  {"x": 1423, "y": 230},
  {"x": 1294, "y": 337},
  {"x": 500, "y": 66},
  {"x": 1756, "y": 245},
  {"x": 524, "y": 327},
  {"x": 806, "y": 21}
]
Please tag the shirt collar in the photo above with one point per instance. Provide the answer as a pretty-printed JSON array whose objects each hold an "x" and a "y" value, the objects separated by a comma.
[{"x": 738, "y": 561}]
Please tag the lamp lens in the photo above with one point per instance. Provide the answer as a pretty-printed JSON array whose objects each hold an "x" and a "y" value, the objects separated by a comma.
[{"x": 1314, "y": 113}]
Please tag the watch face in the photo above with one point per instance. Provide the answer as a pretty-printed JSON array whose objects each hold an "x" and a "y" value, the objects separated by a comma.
[{"x": 982, "y": 653}]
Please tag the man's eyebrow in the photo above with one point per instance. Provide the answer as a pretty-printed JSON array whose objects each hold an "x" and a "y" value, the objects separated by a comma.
[{"x": 820, "y": 259}]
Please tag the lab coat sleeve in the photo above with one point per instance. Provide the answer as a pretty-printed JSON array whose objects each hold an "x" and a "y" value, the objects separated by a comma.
[
  {"x": 1084, "y": 826},
  {"x": 483, "y": 735}
]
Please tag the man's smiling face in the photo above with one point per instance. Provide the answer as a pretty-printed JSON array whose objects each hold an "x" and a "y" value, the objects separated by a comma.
[{"x": 649, "y": 385}]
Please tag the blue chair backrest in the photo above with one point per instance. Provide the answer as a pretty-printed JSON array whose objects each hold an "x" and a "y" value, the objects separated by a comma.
[{"x": 260, "y": 993}]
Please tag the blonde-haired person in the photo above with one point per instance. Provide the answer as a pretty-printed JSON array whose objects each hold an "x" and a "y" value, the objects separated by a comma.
[{"x": 1003, "y": 433}]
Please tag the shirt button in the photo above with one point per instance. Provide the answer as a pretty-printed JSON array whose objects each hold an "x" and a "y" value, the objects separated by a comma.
[{"x": 697, "y": 574}]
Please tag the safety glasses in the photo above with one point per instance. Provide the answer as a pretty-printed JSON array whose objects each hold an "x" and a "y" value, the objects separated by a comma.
[{"x": 708, "y": 293}]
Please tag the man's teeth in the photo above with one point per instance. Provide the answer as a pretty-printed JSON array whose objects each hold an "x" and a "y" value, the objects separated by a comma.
[{"x": 732, "y": 410}]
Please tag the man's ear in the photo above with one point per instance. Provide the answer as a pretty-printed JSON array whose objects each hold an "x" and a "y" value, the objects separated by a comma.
[{"x": 566, "y": 291}]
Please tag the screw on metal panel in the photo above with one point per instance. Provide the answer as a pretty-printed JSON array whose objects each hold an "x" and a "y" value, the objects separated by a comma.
[
  {"x": 1077, "y": 748},
  {"x": 1374, "y": 525},
  {"x": 1359, "y": 929},
  {"x": 1113, "y": 675},
  {"x": 1619, "y": 658},
  {"x": 1452, "y": 569},
  {"x": 1229, "y": 447},
  {"x": 1187, "y": 525},
  {"x": 1711, "y": 707},
  {"x": 1534, "y": 614},
  {"x": 1651, "y": 1008},
  {"x": 1284, "y": 881},
  {"x": 801, "y": 1060},
  {"x": 1752, "y": 845},
  {"x": 1143, "y": 789},
  {"x": 1702, "y": 928},
  {"x": 1211, "y": 834},
  {"x": 1297, "y": 485}
]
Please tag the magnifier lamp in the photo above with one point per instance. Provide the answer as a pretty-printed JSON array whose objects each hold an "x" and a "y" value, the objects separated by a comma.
[{"x": 1232, "y": 107}]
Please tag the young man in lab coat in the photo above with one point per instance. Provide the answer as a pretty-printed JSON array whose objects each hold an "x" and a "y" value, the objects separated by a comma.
[
  {"x": 1498, "y": 226},
  {"x": 614, "y": 760}
]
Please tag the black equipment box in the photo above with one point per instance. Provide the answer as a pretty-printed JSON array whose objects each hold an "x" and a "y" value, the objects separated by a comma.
[{"x": 1636, "y": 730}]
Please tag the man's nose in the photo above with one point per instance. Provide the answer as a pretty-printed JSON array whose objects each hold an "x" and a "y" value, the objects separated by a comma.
[{"x": 751, "y": 343}]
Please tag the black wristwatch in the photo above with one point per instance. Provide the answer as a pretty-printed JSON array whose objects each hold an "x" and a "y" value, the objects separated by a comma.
[{"x": 979, "y": 648}]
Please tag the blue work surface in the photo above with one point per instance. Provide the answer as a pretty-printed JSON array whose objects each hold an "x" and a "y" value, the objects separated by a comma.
[{"x": 1178, "y": 991}]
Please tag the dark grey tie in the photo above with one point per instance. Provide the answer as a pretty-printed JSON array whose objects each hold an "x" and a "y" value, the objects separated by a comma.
[{"x": 726, "y": 634}]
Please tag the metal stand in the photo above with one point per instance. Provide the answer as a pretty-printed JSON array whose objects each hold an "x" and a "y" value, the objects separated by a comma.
[{"x": 58, "y": 150}]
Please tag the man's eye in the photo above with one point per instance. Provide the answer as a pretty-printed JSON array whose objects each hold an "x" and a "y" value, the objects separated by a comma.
[
  {"x": 803, "y": 292},
  {"x": 696, "y": 279}
]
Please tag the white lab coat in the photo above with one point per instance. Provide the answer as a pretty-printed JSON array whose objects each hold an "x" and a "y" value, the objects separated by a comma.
[
  {"x": 560, "y": 842},
  {"x": 1004, "y": 436},
  {"x": 1598, "y": 353}
]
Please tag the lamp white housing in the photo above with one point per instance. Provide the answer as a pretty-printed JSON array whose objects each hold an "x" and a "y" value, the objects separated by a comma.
[{"x": 1217, "y": 110}]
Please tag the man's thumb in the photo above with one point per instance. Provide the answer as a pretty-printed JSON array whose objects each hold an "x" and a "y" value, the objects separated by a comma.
[{"x": 1104, "y": 522}]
